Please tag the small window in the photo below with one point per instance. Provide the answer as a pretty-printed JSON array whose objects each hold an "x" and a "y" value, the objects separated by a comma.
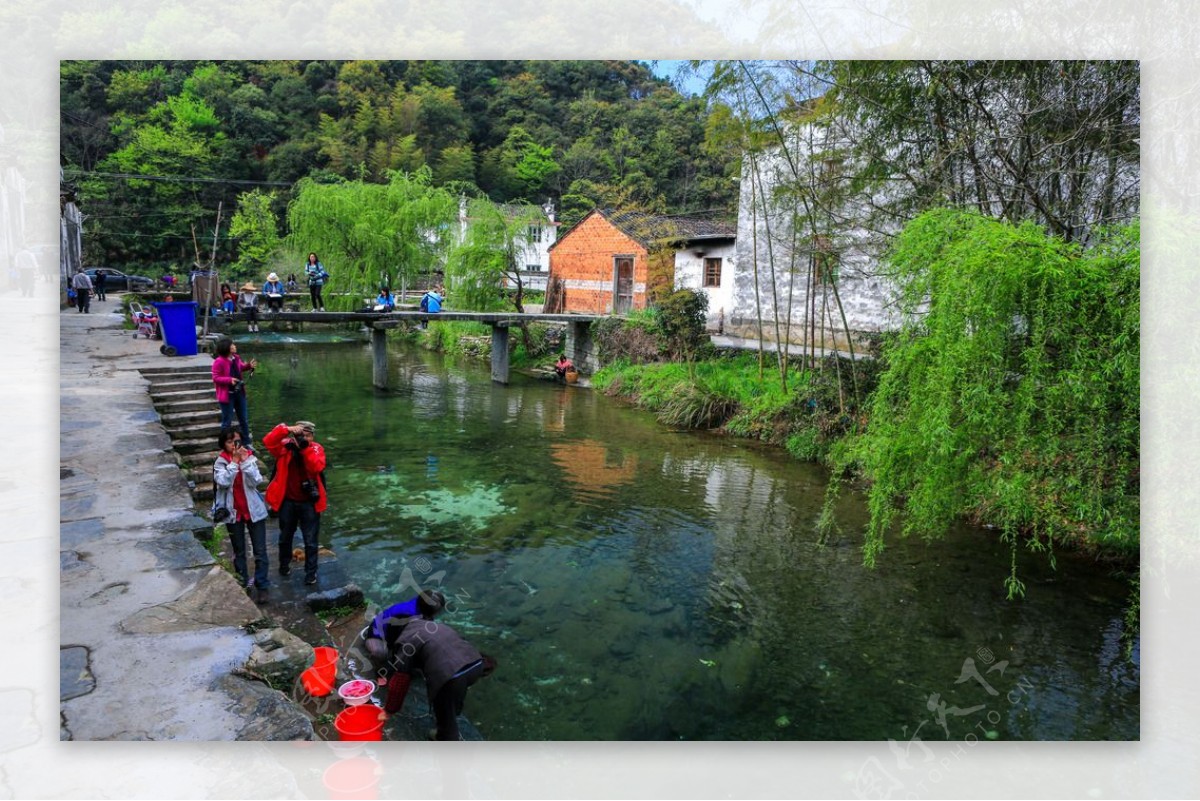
[
  {"x": 533, "y": 268},
  {"x": 824, "y": 260},
  {"x": 831, "y": 170},
  {"x": 535, "y": 233},
  {"x": 712, "y": 272}
]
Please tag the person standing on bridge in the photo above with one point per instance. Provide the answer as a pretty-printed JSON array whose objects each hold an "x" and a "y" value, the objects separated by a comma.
[
  {"x": 315, "y": 271},
  {"x": 297, "y": 492}
]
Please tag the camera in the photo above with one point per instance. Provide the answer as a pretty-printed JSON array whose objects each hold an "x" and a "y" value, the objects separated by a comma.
[
  {"x": 220, "y": 514},
  {"x": 309, "y": 488}
]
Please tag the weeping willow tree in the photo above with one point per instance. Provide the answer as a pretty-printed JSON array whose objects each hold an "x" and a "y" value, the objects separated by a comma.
[
  {"x": 368, "y": 234},
  {"x": 489, "y": 254},
  {"x": 1011, "y": 395}
]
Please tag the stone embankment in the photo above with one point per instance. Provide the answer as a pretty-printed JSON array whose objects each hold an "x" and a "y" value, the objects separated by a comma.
[{"x": 158, "y": 641}]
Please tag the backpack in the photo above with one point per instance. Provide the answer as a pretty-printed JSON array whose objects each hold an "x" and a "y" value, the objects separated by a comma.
[{"x": 425, "y": 302}]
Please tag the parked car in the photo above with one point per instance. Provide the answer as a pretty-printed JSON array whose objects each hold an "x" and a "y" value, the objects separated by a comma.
[{"x": 116, "y": 280}]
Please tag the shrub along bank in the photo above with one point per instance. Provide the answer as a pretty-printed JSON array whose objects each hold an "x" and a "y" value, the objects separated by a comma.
[{"x": 1009, "y": 397}]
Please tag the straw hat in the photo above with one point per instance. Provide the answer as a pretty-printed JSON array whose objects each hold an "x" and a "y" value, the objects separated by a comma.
[
  {"x": 272, "y": 277},
  {"x": 249, "y": 287}
]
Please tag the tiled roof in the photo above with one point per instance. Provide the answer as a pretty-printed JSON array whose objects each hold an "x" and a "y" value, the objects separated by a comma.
[{"x": 647, "y": 228}]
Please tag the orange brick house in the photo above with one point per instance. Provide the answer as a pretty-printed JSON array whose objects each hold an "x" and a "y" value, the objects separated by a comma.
[{"x": 612, "y": 262}]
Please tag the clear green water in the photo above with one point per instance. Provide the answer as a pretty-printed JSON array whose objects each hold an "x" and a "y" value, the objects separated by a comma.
[{"x": 637, "y": 583}]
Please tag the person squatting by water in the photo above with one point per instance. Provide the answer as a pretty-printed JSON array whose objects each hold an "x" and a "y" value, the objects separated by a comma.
[
  {"x": 229, "y": 375},
  {"x": 315, "y": 272},
  {"x": 297, "y": 492},
  {"x": 562, "y": 366},
  {"x": 247, "y": 299},
  {"x": 405, "y": 642},
  {"x": 236, "y": 476}
]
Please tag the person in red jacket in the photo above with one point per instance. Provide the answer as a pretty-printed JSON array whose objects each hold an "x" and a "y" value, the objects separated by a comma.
[{"x": 297, "y": 491}]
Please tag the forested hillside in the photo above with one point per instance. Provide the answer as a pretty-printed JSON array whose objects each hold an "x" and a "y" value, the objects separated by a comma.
[{"x": 582, "y": 133}]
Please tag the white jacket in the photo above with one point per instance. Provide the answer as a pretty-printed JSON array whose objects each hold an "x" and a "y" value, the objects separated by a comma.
[{"x": 226, "y": 472}]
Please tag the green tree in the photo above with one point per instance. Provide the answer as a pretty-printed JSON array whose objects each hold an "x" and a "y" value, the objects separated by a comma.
[
  {"x": 256, "y": 228},
  {"x": 371, "y": 233},
  {"x": 1011, "y": 393}
]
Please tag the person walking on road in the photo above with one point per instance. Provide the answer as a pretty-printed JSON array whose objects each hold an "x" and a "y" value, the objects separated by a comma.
[
  {"x": 83, "y": 291},
  {"x": 297, "y": 492},
  {"x": 101, "y": 281},
  {"x": 236, "y": 476}
]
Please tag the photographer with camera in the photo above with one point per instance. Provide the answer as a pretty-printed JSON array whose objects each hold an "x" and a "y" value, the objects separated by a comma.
[
  {"x": 297, "y": 491},
  {"x": 229, "y": 375},
  {"x": 239, "y": 505}
]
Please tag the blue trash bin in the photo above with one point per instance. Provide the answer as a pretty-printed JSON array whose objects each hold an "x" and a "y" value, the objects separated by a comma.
[{"x": 178, "y": 321}]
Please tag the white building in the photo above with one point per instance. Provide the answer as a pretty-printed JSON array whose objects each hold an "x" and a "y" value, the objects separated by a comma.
[
  {"x": 805, "y": 267},
  {"x": 540, "y": 235},
  {"x": 706, "y": 261}
]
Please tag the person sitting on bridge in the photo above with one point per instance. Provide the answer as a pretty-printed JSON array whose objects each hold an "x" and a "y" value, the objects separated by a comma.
[
  {"x": 274, "y": 291},
  {"x": 248, "y": 301},
  {"x": 385, "y": 301},
  {"x": 450, "y": 663}
]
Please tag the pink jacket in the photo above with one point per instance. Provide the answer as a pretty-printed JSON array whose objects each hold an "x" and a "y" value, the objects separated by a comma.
[{"x": 222, "y": 375}]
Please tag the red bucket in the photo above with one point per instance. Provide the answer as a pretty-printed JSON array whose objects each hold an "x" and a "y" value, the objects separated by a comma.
[
  {"x": 319, "y": 679},
  {"x": 360, "y": 723},
  {"x": 316, "y": 684}
]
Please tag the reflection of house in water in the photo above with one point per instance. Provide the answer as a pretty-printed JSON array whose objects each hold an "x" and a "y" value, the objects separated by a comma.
[{"x": 593, "y": 468}]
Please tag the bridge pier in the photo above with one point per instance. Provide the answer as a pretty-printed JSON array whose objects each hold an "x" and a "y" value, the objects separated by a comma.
[
  {"x": 500, "y": 353},
  {"x": 379, "y": 359},
  {"x": 580, "y": 348}
]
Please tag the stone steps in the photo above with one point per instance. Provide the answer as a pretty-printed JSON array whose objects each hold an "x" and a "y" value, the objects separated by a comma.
[
  {"x": 178, "y": 406},
  {"x": 180, "y": 385}
]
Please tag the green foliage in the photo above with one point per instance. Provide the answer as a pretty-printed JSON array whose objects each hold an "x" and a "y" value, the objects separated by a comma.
[
  {"x": 365, "y": 233},
  {"x": 255, "y": 226},
  {"x": 578, "y": 132},
  {"x": 1011, "y": 394},
  {"x": 681, "y": 323},
  {"x": 489, "y": 255}
]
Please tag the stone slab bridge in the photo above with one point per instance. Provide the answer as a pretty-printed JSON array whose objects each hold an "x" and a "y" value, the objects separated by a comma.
[{"x": 578, "y": 346}]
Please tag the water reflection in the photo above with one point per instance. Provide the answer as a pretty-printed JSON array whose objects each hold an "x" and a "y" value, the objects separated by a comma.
[{"x": 642, "y": 584}]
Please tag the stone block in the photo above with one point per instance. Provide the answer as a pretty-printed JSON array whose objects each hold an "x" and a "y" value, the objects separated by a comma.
[
  {"x": 348, "y": 595},
  {"x": 279, "y": 656}
]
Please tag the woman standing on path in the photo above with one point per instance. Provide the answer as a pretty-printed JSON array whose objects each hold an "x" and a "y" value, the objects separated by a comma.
[
  {"x": 228, "y": 370},
  {"x": 316, "y": 280},
  {"x": 236, "y": 476}
]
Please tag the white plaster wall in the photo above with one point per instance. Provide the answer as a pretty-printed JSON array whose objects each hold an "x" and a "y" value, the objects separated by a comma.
[
  {"x": 689, "y": 274},
  {"x": 781, "y": 286}
]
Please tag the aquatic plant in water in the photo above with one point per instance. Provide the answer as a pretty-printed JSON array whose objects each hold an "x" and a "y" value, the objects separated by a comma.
[{"x": 473, "y": 508}]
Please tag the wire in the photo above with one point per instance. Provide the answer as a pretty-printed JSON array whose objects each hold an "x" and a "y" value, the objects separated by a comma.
[{"x": 177, "y": 178}]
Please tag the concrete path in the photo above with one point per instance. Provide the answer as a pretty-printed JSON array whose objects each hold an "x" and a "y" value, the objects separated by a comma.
[
  {"x": 152, "y": 631},
  {"x": 740, "y": 343}
]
